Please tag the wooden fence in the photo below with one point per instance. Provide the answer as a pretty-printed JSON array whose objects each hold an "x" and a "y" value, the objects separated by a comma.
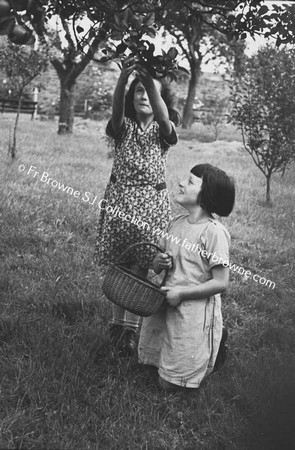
[{"x": 10, "y": 105}]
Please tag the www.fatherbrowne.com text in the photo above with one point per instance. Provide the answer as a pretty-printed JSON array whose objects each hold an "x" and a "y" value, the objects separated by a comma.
[
  {"x": 215, "y": 258},
  {"x": 88, "y": 197}
]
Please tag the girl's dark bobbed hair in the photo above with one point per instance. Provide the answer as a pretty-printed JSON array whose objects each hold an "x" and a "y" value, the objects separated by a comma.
[
  {"x": 130, "y": 112},
  {"x": 217, "y": 193}
]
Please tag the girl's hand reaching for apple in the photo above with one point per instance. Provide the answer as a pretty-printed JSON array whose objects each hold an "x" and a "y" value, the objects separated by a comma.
[{"x": 128, "y": 66}]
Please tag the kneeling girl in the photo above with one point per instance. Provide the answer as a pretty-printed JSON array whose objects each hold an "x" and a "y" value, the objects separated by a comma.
[{"x": 182, "y": 339}]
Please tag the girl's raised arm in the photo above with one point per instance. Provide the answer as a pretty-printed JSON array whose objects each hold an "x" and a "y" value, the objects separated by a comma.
[
  {"x": 158, "y": 105},
  {"x": 119, "y": 94}
]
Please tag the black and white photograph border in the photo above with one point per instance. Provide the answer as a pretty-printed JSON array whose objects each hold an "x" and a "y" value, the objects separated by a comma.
[{"x": 147, "y": 150}]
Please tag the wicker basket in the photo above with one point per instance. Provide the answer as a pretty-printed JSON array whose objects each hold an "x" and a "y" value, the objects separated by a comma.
[{"x": 130, "y": 291}]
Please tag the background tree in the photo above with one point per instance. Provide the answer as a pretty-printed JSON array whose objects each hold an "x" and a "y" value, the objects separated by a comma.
[
  {"x": 264, "y": 110},
  {"x": 209, "y": 30},
  {"x": 70, "y": 52},
  {"x": 94, "y": 91},
  {"x": 200, "y": 42},
  {"x": 22, "y": 65},
  {"x": 217, "y": 109},
  {"x": 69, "y": 62},
  {"x": 106, "y": 22}
]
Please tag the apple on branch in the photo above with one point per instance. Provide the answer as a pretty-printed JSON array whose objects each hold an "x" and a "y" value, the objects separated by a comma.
[{"x": 21, "y": 34}]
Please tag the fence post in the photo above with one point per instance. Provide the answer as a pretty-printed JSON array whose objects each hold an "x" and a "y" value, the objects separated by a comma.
[
  {"x": 86, "y": 112},
  {"x": 34, "y": 115}
]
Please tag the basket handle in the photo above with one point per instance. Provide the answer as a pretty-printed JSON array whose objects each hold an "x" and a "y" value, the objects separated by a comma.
[{"x": 140, "y": 244}]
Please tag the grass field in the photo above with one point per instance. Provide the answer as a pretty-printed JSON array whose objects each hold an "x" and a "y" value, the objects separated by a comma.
[{"x": 61, "y": 387}]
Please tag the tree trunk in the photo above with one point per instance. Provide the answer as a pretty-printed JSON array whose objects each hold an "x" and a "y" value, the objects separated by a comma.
[
  {"x": 68, "y": 70},
  {"x": 188, "y": 112},
  {"x": 66, "y": 106},
  {"x": 268, "y": 189},
  {"x": 13, "y": 146}
]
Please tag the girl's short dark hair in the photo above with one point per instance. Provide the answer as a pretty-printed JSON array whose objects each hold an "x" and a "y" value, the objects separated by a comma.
[
  {"x": 217, "y": 193},
  {"x": 130, "y": 112}
]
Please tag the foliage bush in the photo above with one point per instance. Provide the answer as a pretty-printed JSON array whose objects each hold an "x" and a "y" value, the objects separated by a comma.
[
  {"x": 22, "y": 66},
  {"x": 216, "y": 102},
  {"x": 264, "y": 109}
]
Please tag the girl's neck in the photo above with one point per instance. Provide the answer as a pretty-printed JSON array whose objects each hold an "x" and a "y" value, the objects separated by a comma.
[
  {"x": 144, "y": 121},
  {"x": 198, "y": 215}
]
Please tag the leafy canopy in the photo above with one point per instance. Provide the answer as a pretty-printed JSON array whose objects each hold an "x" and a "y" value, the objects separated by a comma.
[{"x": 127, "y": 26}]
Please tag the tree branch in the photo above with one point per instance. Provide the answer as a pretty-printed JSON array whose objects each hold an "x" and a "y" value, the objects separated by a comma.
[
  {"x": 180, "y": 43},
  {"x": 250, "y": 152},
  {"x": 214, "y": 7},
  {"x": 80, "y": 66},
  {"x": 212, "y": 25},
  {"x": 67, "y": 31},
  {"x": 58, "y": 65}
]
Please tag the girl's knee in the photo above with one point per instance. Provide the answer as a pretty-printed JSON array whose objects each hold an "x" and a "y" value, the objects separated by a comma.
[{"x": 170, "y": 387}]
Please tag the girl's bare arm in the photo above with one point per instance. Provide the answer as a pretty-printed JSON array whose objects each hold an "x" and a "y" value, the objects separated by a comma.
[
  {"x": 217, "y": 284},
  {"x": 118, "y": 107}
]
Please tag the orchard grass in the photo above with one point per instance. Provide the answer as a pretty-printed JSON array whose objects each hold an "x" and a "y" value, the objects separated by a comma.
[{"x": 61, "y": 386}]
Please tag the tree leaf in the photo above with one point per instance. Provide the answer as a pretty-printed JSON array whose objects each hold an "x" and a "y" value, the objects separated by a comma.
[
  {"x": 278, "y": 41},
  {"x": 183, "y": 69},
  {"x": 150, "y": 19},
  {"x": 172, "y": 53},
  {"x": 151, "y": 32},
  {"x": 121, "y": 48},
  {"x": 263, "y": 10},
  {"x": 116, "y": 35}
]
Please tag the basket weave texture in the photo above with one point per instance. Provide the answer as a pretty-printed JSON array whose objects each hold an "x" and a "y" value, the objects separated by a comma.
[{"x": 130, "y": 291}]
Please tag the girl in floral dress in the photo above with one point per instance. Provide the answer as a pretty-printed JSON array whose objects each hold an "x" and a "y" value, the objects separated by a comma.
[{"x": 143, "y": 131}]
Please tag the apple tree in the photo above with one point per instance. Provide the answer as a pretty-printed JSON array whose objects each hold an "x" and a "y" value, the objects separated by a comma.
[
  {"x": 106, "y": 23},
  {"x": 21, "y": 19},
  {"x": 264, "y": 110},
  {"x": 209, "y": 30},
  {"x": 200, "y": 42}
]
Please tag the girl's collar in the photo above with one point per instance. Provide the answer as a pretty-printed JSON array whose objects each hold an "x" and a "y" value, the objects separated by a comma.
[{"x": 200, "y": 221}]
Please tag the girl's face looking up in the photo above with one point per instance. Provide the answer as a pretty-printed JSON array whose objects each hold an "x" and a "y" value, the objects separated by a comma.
[
  {"x": 189, "y": 190},
  {"x": 141, "y": 100}
]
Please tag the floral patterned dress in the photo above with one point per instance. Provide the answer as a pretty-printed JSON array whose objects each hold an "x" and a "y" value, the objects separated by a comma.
[{"x": 136, "y": 201}]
